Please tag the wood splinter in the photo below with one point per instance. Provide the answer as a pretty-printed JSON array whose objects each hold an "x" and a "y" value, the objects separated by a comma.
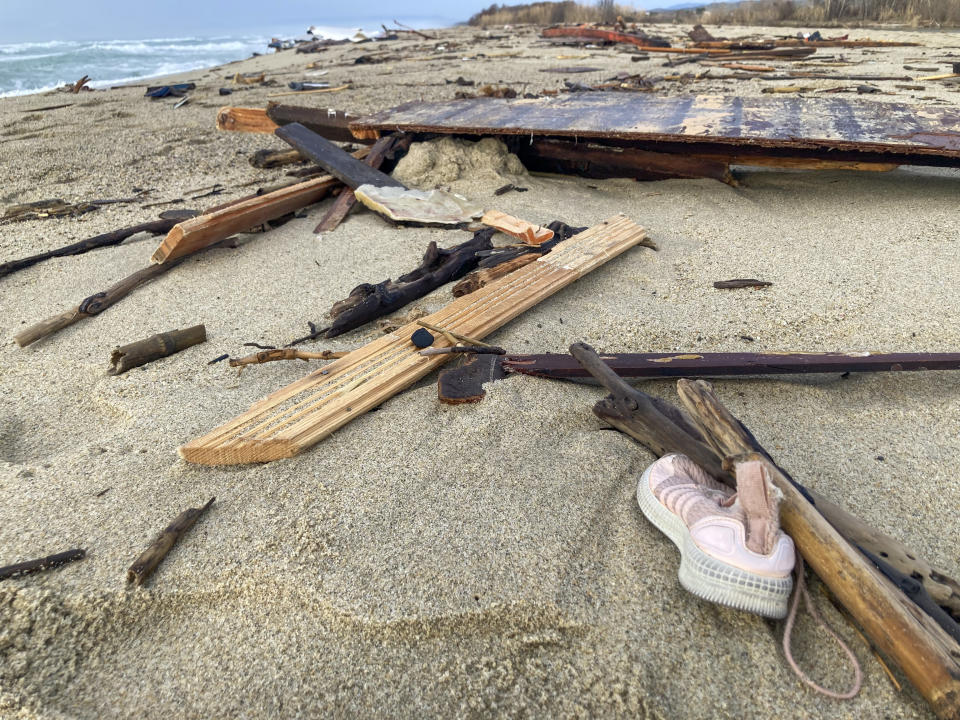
[
  {"x": 144, "y": 565},
  {"x": 46, "y": 563},
  {"x": 265, "y": 356},
  {"x": 741, "y": 283},
  {"x": 127, "y": 357},
  {"x": 528, "y": 232}
]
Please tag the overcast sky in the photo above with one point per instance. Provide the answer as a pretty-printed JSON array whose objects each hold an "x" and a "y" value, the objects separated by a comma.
[{"x": 30, "y": 20}]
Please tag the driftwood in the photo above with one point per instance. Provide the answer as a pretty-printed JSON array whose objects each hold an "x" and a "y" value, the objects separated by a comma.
[
  {"x": 271, "y": 355},
  {"x": 266, "y": 159},
  {"x": 47, "y": 563},
  {"x": 96, "y": 303},
  {"x": 381, "y": 151},
  {"x": 155, "y": 227},
  {"x": 350, "y": 171},
  {"x": 144, "y": 565},
  {"x": 367, "y": 302},
  {"x": 741, "y": 283},
  {"x": 127, "y": 357},
  {"x": 711, "y": 437}
]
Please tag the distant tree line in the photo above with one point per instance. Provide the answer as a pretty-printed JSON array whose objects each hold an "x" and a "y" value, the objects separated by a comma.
[{"x": 749, "y": 12}]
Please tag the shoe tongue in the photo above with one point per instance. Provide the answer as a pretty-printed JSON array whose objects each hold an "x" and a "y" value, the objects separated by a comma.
[{"x": 760, "y": 507}]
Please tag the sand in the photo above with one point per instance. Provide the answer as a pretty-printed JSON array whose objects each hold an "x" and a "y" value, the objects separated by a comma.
[{"x": 444, "y": 560}]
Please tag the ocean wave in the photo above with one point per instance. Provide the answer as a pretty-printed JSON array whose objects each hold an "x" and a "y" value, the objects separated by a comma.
[
  {"x": 145, "y": 48},
  {"x": 18, "y": 58}
]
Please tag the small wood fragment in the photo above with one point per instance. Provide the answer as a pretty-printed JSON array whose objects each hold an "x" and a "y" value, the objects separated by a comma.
[
  {"x": 464, "y": 384},
  {"x": 266, "y": 159},
  {"x": 311, "y": 92},
  {"x": 161, "y": 345},
  {"x": 741, "y": 283},
  {"x": 265, "y": 356},
  {"x": 80, "y": 85},
  {"x": 144, "y": 565},
  {"x": 525, "y": 231},
  {"x": 462, "y": 338},
  {"x": 240, "y": 119},
  {"x": 46, "y": 563}
]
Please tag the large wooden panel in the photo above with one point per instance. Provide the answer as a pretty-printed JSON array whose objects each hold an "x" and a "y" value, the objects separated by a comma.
[{"x": 798, "y": 126}]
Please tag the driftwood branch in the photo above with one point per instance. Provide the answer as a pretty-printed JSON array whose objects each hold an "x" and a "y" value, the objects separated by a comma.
[
  {"x": 127, "y": 357},
  {"x": 98, "y": 302},
  {"x": 144, "y": 565},
  {"x": 47, "y": 563},
  {"x": 265, "y": 356},
  {"x": 439, "y": 266},
  {"x": 115, "y": 237}
]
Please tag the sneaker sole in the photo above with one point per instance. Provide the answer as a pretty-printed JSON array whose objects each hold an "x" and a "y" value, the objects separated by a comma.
[{"x": 709, "y": 578}]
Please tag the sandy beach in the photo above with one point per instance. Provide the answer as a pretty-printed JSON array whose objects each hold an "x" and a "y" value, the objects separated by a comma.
[{"x": 427, "y": 559}]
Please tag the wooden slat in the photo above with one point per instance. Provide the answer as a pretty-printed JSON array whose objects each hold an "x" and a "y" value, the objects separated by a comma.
[
  {"x": 335, "y": 161},
  {"x": 326, "y": 122},
  {"x": 240, "y": 119},
  {"x": 206, "y": 229},
  {"x": 303, "y": 413},
  {"x": 527, "y": 232}
]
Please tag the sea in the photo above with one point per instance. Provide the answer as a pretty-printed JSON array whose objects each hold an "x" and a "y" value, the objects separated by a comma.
[{"x": 31, "y": 67}]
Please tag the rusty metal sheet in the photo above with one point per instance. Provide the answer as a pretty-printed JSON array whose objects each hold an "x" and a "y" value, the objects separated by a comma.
[{"x": 922, "y": 135}]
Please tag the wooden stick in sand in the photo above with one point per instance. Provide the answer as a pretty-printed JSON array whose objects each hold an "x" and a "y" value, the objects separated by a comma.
[
  {"x": 47, "y": 563},
  {"x": 713, "y": 438},
  {"x": 265, "y": 356},
  {"x": 127, "y": 357},
  {"x": 144, "y": 565}
]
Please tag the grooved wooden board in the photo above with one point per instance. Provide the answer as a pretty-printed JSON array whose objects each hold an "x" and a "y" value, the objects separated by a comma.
[{"x": 303, "y": 413}]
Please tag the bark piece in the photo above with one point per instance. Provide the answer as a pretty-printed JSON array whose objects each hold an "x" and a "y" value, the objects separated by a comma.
[
  {"x": 298, "y": 416},
  {"x": 115, "y": 237},
  {"x": 46, "y": 563},
  {"x": 367, "y": 302},
  {"x": 741, "y": 283},
  {"x": 161, "y": 345},
  {"x": 350, "y": 171},
  {"x": 148, "y": 560},
  {"x": 464, "y": 384},
  {"x": 266, "y": 159}
]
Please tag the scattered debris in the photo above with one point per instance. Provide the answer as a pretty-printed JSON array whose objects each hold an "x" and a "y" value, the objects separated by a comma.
[
  {"x": 275, "y": 354},
  {"x": 346, "y": 86},
  {"x": 464, "y": 384},
  {"x": 155, "y": 227},
  {"x": 47, "y": 563},
  {"x": 507, "y": 188},
  {"x": 127, "y": 357},
  {"x": 79, "y": 85},
  {"x": 144, "y": 565},
  {"x": 741, "y": 283},
  {"x": 162, "y": 91},
  {"x": 527, "y": 232}
]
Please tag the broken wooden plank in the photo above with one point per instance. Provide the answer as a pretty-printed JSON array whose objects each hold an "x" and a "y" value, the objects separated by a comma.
[
  {"x": 47, "y": 563},
  {"x": 648, "y": 365},
  {"x": 829, "y": 127},
  {"x": 115, "y": 237},
  {"x": 527, "y": 232},
  {"x": 350, "y": 171},
  {"x": 161, "y": 345},
  {"x": 148, "y": 560},
  {"x": 240, "y": 119},
  {"x": 206, "y": 229},
  {"x": 599, "y": 161},
  {"x": 325, "y": 122},
  {"x": 300, "y": 415},
  {"x": 347, "y": 199},
  {"x": 266, "y": 159}
]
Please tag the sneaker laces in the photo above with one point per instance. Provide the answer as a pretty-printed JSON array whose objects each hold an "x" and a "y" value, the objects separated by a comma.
[{"x": 800, "y": 588}]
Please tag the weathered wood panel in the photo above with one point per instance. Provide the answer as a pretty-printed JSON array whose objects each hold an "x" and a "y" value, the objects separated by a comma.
[{"x": 788, "y": 125}]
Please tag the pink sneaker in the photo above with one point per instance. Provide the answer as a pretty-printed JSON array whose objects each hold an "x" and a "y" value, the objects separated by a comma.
[{"x": 732, "y": 550}]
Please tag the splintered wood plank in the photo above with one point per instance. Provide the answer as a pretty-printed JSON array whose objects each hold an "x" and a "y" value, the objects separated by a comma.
[
  {"x": 833, "y": 128},
  {"x": 528, "y": 232},
  {"x": 240, "y": 119},
  {"x": 303, "y": 413},
  {"x": 335, "y": 161},
  {"x": 211, "y": 227},
  {"x": 326, "y": 122}
]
